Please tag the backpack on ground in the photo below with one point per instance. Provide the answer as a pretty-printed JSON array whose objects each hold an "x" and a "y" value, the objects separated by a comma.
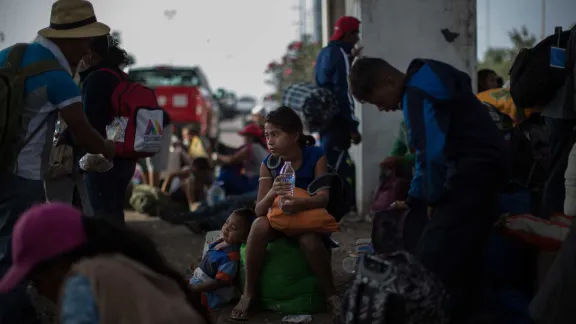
[
  {"x": 394, "y": 288},
  {"x": 538, "y": 72},
  {"x": 12, "y": 85},
  {"x": 337, "y": 203},
  {"x": 137, "y": 119},
  {"x": 318, "y": 105}
]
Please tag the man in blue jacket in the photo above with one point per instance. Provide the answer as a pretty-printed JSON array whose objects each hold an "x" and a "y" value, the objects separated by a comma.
[
  {"x": 461, "y": 165},
  {"x": 332, "y": 67}
]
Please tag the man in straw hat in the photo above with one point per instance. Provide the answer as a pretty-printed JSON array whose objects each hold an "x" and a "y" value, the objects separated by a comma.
[{"x": 45, "y": 68}]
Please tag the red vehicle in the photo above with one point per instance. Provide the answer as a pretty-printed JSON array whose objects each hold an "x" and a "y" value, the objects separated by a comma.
[{"x": 185, "y": 94}]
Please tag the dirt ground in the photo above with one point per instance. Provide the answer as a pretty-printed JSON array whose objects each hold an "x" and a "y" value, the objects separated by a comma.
[{"x": 182, "y": 247}]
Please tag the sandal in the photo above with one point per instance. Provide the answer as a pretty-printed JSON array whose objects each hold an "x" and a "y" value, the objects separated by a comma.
[{"x": 240, "y": 312}]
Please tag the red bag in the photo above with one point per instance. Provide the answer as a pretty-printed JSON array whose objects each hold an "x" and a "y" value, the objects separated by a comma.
[
  {"x": 393, "y": 189},
  {"x": 136, "y": 111}
]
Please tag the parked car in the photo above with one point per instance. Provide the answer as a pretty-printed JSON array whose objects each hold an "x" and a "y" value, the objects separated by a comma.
[
  {"x": 185, "y": 94},
  {"x": 246, "y": 104},
  {"x": 227, "y": 101}
]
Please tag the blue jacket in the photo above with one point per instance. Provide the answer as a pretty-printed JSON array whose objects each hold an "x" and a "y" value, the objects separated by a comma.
[
  {"x": 331, "y": 72},
  {"x": 451, "y": 130}
]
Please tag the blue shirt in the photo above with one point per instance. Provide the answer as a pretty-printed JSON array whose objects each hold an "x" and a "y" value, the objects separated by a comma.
[
  {"x": 450, "y": 129},
  {"x": 306, "y": 172},
  {"x": 45, "y": 94},
  {"x": 331, "y": 72}
]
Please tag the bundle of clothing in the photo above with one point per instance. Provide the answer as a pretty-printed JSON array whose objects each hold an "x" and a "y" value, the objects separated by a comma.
[{"x": 318, "y": 105}]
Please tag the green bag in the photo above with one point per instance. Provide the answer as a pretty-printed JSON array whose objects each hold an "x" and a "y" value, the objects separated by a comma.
[
  {"x": 12, "y": 82},
  {"x": 288, "y": 285},
  {"x": 152, "y": 201}
]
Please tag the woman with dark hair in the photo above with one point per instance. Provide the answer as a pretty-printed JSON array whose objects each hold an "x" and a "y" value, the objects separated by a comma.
[
  {"x": 105, "y": 62},
  {"x": 487, "y": 79},
  {"x": 97, "y": 272},
  {"x": 284, "y": 134}
]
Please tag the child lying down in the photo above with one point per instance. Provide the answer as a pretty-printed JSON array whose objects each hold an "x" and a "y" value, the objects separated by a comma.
[
  {"x": 215, "y": 276},
  {"x": 544, "y": 234}
]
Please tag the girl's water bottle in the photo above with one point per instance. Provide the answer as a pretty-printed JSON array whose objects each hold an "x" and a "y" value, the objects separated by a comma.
[{"x": 287, "y": 174}]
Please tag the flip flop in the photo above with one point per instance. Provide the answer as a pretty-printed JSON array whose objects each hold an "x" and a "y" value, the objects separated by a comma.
[{"x": 244, "y": 303}]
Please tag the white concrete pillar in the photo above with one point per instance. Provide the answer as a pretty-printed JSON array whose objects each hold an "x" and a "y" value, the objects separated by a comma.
[{"x": 400, "y": 31}]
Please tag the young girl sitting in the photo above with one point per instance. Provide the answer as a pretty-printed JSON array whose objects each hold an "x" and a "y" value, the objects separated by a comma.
[
  {"x": 285, "y": 139},
  {"x": 214, "y": 277}
]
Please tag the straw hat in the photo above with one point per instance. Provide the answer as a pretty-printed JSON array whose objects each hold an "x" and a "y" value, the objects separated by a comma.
[{"x": 73, "y": 19}]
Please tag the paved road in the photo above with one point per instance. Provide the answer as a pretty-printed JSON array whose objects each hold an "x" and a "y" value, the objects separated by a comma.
[{"x": 229, "y": 132}]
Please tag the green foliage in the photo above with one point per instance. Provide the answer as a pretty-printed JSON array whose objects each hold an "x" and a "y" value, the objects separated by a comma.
[
  {"x": 296, "y": 66},
  {"x": 500, "y": 59}
]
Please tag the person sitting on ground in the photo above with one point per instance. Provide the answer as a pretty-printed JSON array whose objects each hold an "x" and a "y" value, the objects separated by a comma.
[
  {"x": 461, "y": 165},
  {"x": 284, "y": 134},
  {"x": 97, "y": 272},
  {"x": 488, "y": 79},
  {"x": 194, "y": 179},
  {"x": 401, "y": 155},
  {"x": 215, "y": 275},
  {"x": 241, "y": 169}
]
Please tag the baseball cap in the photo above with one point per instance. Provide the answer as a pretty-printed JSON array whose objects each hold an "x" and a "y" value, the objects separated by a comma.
[
  {"x": 343, "y": 25},
  {"x": 40, "y": 234},
  {"x": 251, "y": 129}
]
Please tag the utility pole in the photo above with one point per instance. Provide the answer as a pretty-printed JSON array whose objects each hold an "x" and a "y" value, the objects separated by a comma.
[
  {"x": 317, "y": 9},
  {"x": 543, "y": 27},
  {"x": 303, "y": 17},
  {"x": 488, "y": 23}
]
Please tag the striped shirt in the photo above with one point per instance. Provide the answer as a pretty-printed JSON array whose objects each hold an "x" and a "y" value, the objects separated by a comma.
[{"x": 45, "y": 94}]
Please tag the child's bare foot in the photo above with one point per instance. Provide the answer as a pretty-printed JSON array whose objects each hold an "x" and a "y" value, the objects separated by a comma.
[{"x": 240, "y": 312}]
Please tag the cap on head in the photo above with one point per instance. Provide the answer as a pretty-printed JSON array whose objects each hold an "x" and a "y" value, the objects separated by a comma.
[
  {"x": 251, "y": 129},
  {"x": 344, "y": 25},
  {"x": 40, "y": 234},
  {"x": 73, "y": 19}
]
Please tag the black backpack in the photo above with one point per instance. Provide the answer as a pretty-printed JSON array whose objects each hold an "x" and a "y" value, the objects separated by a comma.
[
  {"x": 533, "y": 81},
  {"x": 337, "y": 203}
]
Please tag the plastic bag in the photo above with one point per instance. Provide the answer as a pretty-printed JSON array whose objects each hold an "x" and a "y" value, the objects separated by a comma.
[
  {"x": 95, "y": 162},
  {"x": 116, "y": 131}
]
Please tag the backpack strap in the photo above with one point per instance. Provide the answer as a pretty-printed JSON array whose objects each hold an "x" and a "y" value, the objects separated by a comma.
[
  {"x": 272, "y": 164},
  {"x": 41, "y": 67},
  {"x": 14, "y": 59},
  {"x": 116, "y": 74}
]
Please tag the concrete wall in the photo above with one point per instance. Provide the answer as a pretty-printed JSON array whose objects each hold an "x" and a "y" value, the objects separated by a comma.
[{"x": 400, "y": 31}]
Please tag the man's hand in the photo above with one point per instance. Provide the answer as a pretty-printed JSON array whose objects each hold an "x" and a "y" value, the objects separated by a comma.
[
  {"x": 356, "y": 52},
  {"x": 390, "y": 162},
  {"x": 356, "y": 138},
  {"x": 109, "y": 150}
]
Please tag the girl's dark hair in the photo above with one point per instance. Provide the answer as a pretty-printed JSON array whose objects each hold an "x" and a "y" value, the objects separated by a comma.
[
  {"x": 107, "y": 47},
  {"x": 500, "y": 82},
  {"x": 288, "y": 121},
  {"x": 482, "y": 75},
  {"x": 107, "y": 238}
]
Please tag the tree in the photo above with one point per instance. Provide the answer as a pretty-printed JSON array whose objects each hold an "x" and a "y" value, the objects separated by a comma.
[
  {"x": 500, "y": 59},
  {"x": 296, "y": 66},
  {"x": 118, "y": 36}
]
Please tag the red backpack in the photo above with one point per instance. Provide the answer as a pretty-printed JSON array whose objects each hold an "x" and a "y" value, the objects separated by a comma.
[{"x": 136, "y": 112}]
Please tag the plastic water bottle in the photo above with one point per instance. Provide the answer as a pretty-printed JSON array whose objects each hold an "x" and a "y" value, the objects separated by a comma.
[
  {"x": 363, "y": 246},
  {"x": 215, "y": 194},
  {"x": 288, "y": 175}
]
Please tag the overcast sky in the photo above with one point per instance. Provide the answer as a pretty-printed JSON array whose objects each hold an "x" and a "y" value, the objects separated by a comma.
[{"x": 234, "y": 40}]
